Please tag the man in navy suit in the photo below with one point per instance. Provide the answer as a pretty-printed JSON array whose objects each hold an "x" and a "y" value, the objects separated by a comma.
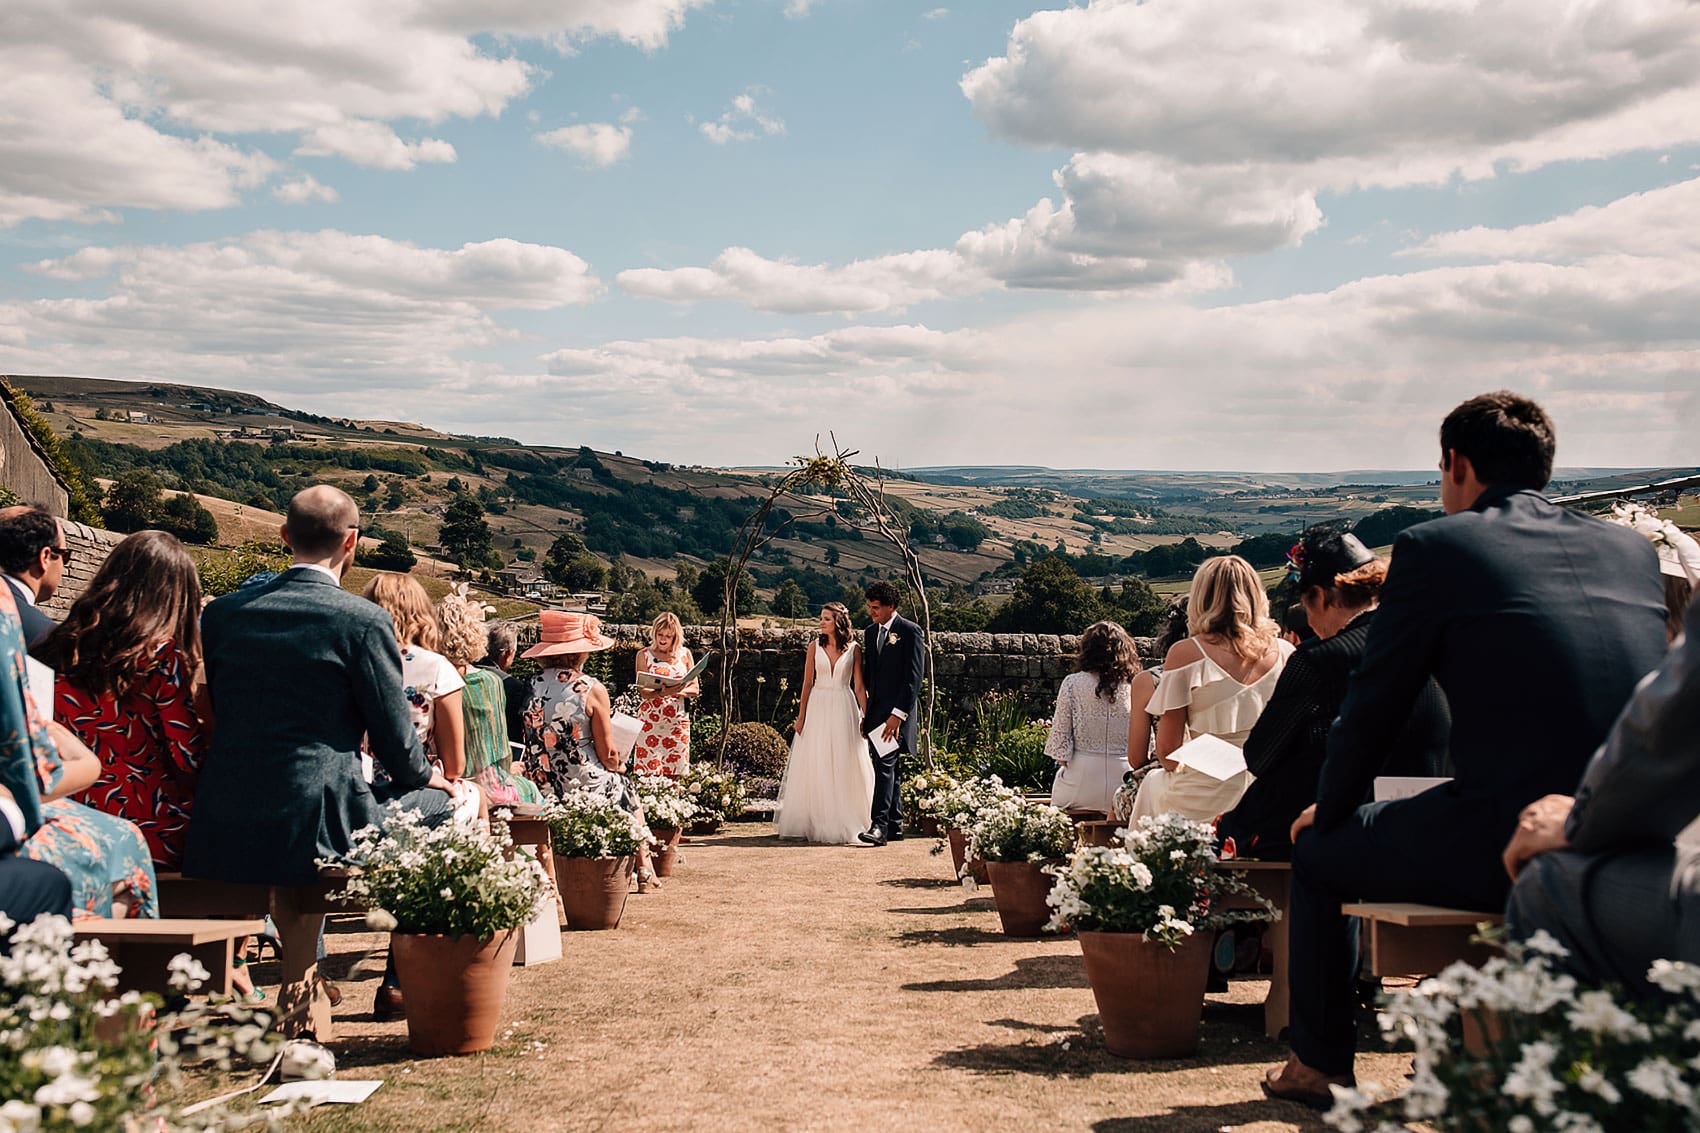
[
  {"x": 33, "y": 554},
  {"x": 1536, "y": 622},
  {"x": 894, "y": 659}
]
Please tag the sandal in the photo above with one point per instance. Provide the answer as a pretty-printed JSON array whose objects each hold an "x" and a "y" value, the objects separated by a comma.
[
  {"x": 647, "y": 881},
  {"x": 1322, "y": 1101}
]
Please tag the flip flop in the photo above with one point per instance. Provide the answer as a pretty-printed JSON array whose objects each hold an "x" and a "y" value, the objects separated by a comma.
[{"x": 1321, "y": 1102}]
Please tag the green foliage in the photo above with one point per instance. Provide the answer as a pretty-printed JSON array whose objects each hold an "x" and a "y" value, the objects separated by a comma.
[
  {"x": 82, "y": 503},
  {"x": 465, "y": 536},
  {"x": 1050, "y": 598},
  {"x": 758, "y": 749},
  {"x": 132, "y": 501},
  {"x": 223, "y": 571},
  {"x": 970, "y": 617},
  {"x": 1379, "y": 529},
  {"x": 710, "y": 589},
  {"x": 789, "y": 601},
  {"x": 719, "y": 795},
  {"x": 393, "y": 552},
  {"x": 1141, "y": 610},
  {"x": 647, "y": 600},
  {"x": 1015, "y": 830},
  {"x": 1168, "y": 560},
  {"x": 1263, "y": 551},
  {"x": 1018, "y": 758}
]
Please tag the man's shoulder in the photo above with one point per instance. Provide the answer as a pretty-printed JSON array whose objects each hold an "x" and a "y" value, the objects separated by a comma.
[{"x": 303, "y": 597}]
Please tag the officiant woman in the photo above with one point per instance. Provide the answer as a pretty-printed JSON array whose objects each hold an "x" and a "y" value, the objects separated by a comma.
[{"x": 664, "y": 748}]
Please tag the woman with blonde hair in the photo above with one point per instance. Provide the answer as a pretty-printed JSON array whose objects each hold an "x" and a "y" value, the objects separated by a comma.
[
  {"x": 435, "y": 691},
  {"x": 1215, "y": 683},
  {"x": 489, "y": 758},
  {"x": 664, "y": 748}
]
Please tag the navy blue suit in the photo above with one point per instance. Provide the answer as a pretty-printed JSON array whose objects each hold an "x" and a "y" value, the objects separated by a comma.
[
  {"x": 892, "y": 673},
  {"x": 1536, "y": 622}
]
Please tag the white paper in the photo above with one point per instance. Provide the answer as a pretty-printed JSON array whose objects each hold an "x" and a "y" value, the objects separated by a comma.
[
  {"x": 656, "y": 681},
  {"x": 338, "y": 1091},
  {"x": 1390, "y": 787},
  {"x": 41, "y": 686},
  {"x": 883, "y": 746},
  {"x": 625, "y": 731},
  {"x": 1212, "y": 756}
]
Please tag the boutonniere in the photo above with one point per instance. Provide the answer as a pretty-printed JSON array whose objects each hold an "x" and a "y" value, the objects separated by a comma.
[{"x": 892, "y": 639}]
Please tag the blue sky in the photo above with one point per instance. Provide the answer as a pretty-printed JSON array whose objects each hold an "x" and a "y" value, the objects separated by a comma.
[{"x": 1183, "y": 233}]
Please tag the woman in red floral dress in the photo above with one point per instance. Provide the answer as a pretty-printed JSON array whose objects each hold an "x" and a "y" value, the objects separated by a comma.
[
  {"x": 664, "y": 748},
  {"x": 125, "y": 661}
]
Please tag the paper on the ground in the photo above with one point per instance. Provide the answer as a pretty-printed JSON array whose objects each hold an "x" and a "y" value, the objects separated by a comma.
[
  {"x": 337, "y": 1091},
  {"x": 41, "y": 686},
  {"x": 883, "y": 746},
  {"x": 625, "y": 732},
  {"x": 1211, "y": 756},
  {"x": 1389, "y": 787},
  {"x": 656, "y": 681}
]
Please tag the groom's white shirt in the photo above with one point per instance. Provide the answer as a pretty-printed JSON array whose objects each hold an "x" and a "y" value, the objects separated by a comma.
[{"x": 885, "y": 631}]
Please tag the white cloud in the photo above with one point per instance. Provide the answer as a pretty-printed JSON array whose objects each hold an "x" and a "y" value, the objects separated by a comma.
[
  {"x": 1656, "y": 223},
  {"x": 139, "y": 105},
  {"x": 597, "y": 143},
  {"x": 880, "y": 284},
  {"x": 302, "y": 190},
  {"x": 327, "y": 313},
  {"x": 743, "y": 121},
  {"x": 935, "y": 13}
]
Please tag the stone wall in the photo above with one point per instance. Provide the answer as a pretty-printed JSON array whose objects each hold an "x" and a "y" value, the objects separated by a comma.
[
  {"x": 89, "y": 548},
  {"x": 25, "y": 471},
  {"x": 968, "y": 665}
]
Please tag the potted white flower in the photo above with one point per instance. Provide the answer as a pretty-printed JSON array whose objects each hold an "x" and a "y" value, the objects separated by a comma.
[
  {"x": 956, "y": 807},
  {"x": 1017, "y": 839},
  {"x": 923, "y": 794},
  {"x": 668, "y": 809},
  {"x": 595, "y": 843},
  {"x": 1143, "y": 914},
  {"x": 453, "y": 899}
]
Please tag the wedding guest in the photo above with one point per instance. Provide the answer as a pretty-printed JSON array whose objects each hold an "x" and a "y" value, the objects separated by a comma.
[
  {"x": 33, "y": 554},
  {"x": 28, "y": 889},
  {"x": 489, "y": 758},
  {"x": 431, "y": 685},
  {"x": 502, "y": 649},
  {"x": 1141, "y": 724},
  {"x": 569, "y": 739},
  {"x": 1536, "y": 621},
  {"x": 105, "y": 858},
  {"x": 664, "y": 747},
  {"x": 1215, "y": 683},
  {"x": 125, "y": 658},
  {"x": 1679, "y": 558},
  {"x": 301, "y": 673},
  {"x": 1295, "y": 626},
  {"x": 1340, "y": 581},
  {"x": 1610, "y": 873},
  {"x": 1089, "y": 731}
]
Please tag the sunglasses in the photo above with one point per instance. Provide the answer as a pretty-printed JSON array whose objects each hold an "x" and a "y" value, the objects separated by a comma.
[{"x": 63, "y": 554}]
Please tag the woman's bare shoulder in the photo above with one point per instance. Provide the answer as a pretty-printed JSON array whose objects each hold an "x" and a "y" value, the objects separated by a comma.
[{"x": 1183, "y": 653}]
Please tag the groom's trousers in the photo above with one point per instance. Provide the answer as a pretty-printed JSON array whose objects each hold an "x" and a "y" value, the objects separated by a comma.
[{"x": 887, "y": 811}]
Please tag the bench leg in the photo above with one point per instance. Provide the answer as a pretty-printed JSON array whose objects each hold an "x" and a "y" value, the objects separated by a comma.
[
  {"x": 302, "y": 999},
  {"x": 144, "y": 965}
]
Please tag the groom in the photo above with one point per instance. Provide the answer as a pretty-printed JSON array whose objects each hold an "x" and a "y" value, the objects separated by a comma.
[{"x": 893, "y": 660}]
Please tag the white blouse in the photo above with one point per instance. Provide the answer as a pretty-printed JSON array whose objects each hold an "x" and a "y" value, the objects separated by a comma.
[
  {"x": 1216, "y": 704},
  {"x": 1086, "y": 723}
]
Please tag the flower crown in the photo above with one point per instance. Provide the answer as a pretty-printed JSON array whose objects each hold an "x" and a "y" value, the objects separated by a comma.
[{"x": 1295, "y": 562}]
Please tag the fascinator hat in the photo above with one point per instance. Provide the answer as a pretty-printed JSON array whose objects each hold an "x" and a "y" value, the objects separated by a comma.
[
  {"x": 1323, "y": 554},
  {"x": 563, "y": 631},
  {"x": 1679, "y": 554}
]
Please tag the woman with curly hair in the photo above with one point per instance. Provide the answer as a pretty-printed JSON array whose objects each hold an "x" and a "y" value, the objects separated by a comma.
[
  {"x": 489, "y": 758},
  {"x": 1215, "y": 683},
  {"x": 1089, "y": 732}
]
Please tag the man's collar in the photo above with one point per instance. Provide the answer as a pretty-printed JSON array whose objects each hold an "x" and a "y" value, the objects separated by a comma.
[
  {"x": 24, "y": 590},
  {"x": 320, "y": 567},
  {"x": 886, "y": 625},
  {"x": 1498, "y": 493}
]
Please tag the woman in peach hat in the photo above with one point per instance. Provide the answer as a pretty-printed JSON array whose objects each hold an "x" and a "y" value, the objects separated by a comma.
[{"x": 569, "y": 740}]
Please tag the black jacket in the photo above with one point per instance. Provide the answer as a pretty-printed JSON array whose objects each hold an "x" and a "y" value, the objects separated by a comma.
[
  {"x": 1286, "y": 748},
  {"x": 1537, "y": 622},
  {"x": 893, "y": 676},
  {"x": 36, "y": 625}
]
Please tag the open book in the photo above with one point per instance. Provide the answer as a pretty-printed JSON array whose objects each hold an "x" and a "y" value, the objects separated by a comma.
[{"x": 658, "y": 683}]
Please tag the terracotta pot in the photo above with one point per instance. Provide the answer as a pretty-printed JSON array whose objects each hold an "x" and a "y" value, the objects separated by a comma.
[
  {"x": 665, "y": 854},
  {"x": 452, "y": 989},
  {"x": 1020, "y": 889},
  {"x": 930, "y": 827},
  {"x": 959, "y": 852},
  {"x": 1150, "y": 999},
  {"x": 703, "y": 826},
  {"x": 593, "y": 890}
]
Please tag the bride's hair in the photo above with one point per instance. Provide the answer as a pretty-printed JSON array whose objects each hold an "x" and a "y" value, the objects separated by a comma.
[{"x": 840, "y": 624}]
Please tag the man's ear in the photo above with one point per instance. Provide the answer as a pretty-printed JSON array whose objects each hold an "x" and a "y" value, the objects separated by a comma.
[{"x": 283, "y": 534}]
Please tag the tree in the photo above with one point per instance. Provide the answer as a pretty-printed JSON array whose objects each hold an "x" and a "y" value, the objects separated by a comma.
[
  {"x": 566, "y": 548},
  {"x": 392, "y": 553},
  {"x": 1049, "y": 598},
  {"x": 832, "y": 555},
  {"x": 132, "y": 502},
  {"x": 370, "y": 484},
  {"x": 789, "y": 601},
  {"x": 583, "y": 572},
  {"x": 395, "y": 498},
  {"x": 1380, "y": 528},
  {"x": 185, "y": 517},
  {"x": 464, "y": 535},
  {"x": 969, "y": 617},
  {"x": 1141, "y": 610},
  {"x": 647, "y": 600},
  {"x": 710, "y": 589}
]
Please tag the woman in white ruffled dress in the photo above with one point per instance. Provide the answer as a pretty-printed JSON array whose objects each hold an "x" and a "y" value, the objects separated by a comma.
[
  {"x": 828, "y": 792},
  {"x": 1215, "y": 683}
]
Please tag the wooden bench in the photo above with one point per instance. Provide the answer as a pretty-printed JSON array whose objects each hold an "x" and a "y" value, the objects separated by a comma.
[
  {"x": 526, "y": 827},
  {"x": 1407, "y": 939},
  {"x": 144, "y": 947},
  {"x": 1274, "y": 882}
]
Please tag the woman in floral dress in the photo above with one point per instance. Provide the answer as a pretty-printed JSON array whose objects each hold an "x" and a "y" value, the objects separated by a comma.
[
  {"x": 569, "y": 741},
  {"x": 664, "y": 748},
  {"x": 105, "y": 857}
]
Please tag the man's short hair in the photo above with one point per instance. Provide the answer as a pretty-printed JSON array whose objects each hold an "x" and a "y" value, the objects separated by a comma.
[
  {"x": 882, "y": 592},
  {"x": 319, "y": 519},
  {"x": 1508, "y": 439},
  {"x": 23, "y": 537},
  {"x": 502, "y": 640}
]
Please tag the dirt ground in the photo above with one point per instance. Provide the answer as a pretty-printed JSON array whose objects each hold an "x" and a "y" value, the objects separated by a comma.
[{"x": 775, "y": 986}]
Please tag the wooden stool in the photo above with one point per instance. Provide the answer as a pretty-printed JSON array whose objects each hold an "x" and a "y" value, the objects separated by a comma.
[
  {"x": 144, "y": 948},
  {"x": 1407, "y": 939},
  {"x": 1274, "y": 882}
]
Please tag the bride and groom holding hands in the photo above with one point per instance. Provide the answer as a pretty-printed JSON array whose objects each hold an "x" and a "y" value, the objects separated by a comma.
[{"x": 855, "y": 721}]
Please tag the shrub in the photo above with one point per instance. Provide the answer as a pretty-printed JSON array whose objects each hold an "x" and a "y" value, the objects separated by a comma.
[
  {"x": 585, "y": 825},
  {"x": 719, "y": 795},
  {"x": 1019, "y": 759},
  {"x": 223, "y": 571},
  {"x": 924, "y": 793},
  {"x": 758, "y": 749}
]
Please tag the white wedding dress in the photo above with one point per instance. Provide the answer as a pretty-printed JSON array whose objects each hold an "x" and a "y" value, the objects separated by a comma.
[{"x": 828, "y": 791}]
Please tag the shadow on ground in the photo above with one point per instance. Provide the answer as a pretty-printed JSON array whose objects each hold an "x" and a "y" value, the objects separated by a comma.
[
  {"x": 1033, "y": 971},
  {"x": 1079, "y": 1052},
  {"x": 971, "y": 905},
  {"x": 921, "y": 883},
  {"x": 953, "y": 936},
  {"x": 1229, "y": 1115}
]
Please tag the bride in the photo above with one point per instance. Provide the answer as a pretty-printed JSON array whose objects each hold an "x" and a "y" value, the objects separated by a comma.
[{"x": 828, "y": 790}]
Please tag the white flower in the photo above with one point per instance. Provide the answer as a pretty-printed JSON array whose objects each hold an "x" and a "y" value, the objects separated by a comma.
[
  {"x": 1591, "y": 1081},
  {"x": 1531, "y": 1080},
  {"x": 1597, "y": 1013},
  {"x": 1674, "y": 976},
  {"x": 18, "y": 1116},
  {"x": 380, "y": 920},
  {"x": 186, "y": 973},
  {"x": 1522, "y": 1123},
  {"x": 1661, "y": 1080},
  {"x": 81, "y": 1114}
]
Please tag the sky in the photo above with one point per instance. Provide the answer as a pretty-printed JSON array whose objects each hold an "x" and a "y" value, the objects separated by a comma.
[{"x": 1270, "y": 235}]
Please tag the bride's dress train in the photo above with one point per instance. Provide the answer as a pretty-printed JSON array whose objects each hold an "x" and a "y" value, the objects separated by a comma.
[{"x": 828, "y": 791}]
